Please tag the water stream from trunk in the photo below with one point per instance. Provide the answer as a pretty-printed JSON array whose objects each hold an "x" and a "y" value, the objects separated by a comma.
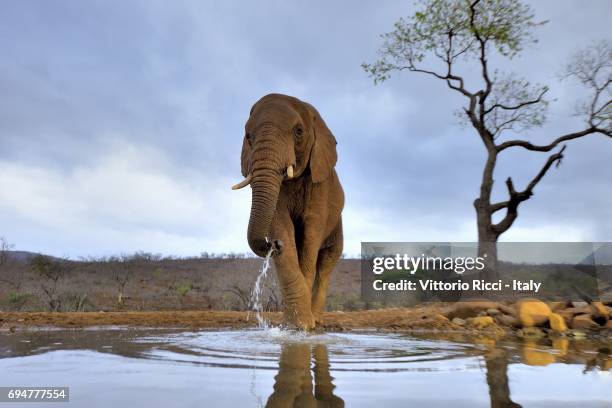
[{"x": 256, "y": 303}]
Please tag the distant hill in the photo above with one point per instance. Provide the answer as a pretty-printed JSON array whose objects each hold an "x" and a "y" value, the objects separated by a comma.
[
  {"x": 22, "y": 256},
  {"x": 601, "y": 256}
]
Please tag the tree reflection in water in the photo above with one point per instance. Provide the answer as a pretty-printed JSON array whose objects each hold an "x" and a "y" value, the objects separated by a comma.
[
  {"x": 497, "y": 379},
  {"x": 294, "y": 381}
]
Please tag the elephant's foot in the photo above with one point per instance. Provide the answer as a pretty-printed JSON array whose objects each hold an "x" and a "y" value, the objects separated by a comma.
[
  {"x": 317, "y": 317},
  {"x": 318, "y": 307},
  {"x": 299, "y": 318}
]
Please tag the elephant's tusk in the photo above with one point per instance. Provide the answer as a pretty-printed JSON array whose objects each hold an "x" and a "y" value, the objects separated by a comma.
[
  {"x": 243, "y": 183},
  {"x": 290, "y": 171}
]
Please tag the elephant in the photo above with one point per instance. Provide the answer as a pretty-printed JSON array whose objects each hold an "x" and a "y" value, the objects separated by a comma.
[
  {"x": 301, "y": 366},
  {"x": 288, "y": 158}
]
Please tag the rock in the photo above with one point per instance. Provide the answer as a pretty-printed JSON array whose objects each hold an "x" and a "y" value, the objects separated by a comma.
[
  {"x": 493, "y": 312},
  {"x": 472, "y": 308},
  {"x": 534, "y": 355},
  {"x": 609, "y": 325},
  {"x": 532, "y": 312},
  {"x": 578, "y": 333},
  {"x": 507, "y": 320},
  {"x": 579, "y": 310},
  {"x": 583, "y": 321},
  {"x": 579, "y": 304},
  {"x": 482, "y": 313},
  {"x": 486, "y": 341},
  {"x": 599, "y": 309},
  {"x": 530, "y": 332},
  {"x": 481, "y": 322},
  {"x": 561, "y": 344},
  {"x": 458, "y": 321},
  {"x": 441, "y": 318},
  {"x": 557, "y": 322},
  {"x": 554, "y": 306},
  {"x": 567, "y": 315}
]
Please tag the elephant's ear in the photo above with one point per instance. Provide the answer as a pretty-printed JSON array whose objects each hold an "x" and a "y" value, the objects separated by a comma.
[
  {"x": 245, "y": 158},
  {"x": 323, "y": 156}
]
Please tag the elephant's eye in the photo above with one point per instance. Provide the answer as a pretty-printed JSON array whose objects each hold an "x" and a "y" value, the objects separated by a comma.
[
  {"x": 248, "y": 137},
  {"x": 298, "y": 131}
]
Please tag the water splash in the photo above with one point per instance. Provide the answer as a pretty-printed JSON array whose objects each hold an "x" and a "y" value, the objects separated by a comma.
[
  {"x": 261, "y": 321},
  {"x": 255, "y": 302}
]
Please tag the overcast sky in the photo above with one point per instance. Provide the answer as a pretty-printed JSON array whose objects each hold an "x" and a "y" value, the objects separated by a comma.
[{"x": 121, "y": 124}]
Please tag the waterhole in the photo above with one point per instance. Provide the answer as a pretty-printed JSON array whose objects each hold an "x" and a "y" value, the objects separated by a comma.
[{"x": 273, "y": 367}]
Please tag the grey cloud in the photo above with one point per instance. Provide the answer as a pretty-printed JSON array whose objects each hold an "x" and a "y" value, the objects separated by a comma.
[{"x": 179, "y": 78}]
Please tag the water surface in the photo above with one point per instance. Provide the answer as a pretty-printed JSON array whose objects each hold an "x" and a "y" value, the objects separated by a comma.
[{"x": 274, "y": 368}]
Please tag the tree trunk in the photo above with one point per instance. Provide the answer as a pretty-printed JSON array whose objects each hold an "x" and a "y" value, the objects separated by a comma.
[
  {"x": 487, "y": 237},
  {"x": 487, "y": 243}
]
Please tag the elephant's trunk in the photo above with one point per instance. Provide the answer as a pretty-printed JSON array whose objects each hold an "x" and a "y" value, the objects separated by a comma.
[{"x": 265, "y": 183}]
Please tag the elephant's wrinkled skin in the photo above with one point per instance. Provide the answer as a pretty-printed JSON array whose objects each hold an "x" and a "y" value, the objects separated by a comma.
[{"x": 288, "y": 158}]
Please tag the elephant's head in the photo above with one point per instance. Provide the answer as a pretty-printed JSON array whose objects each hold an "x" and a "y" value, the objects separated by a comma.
[{"x": 284, "y": 139}]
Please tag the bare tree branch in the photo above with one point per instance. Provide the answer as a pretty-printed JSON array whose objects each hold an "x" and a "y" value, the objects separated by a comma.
[
  {"x": 448, "y": 78},
  {"x": 517, "y": 197},
  {"x": 592, "y": 67},
  {"x": 519, "y": 105},
  {"x": 482, "y": 45},
  {"x": 5, "y": 248},
  {"x": 546, "y": 148}
]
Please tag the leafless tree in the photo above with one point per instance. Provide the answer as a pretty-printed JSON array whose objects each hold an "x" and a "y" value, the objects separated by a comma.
[
  {"x": 51, "y": 272},
  {"x": 448, "y": 34},
  {"x": 243, "y": 296},
  {"x": 5, "y": 247},
  {"x": 121, "y": 269},
  {"x": 121, "y": 279},
  {"x": 5, "y": 273},
  {"x": 274, "y": 302}
]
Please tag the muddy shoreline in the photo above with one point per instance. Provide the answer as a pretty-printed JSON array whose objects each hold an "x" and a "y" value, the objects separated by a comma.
[
  {"x": 430, "y": 317},
  {"x": 384, "y": 318}
]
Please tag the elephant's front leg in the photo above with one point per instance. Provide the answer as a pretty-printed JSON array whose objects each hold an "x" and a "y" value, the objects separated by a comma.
[
  {"x": 312, "y": 240},
  {"x": 326, "y": 262},
  {"x": 296, "y": 293}
]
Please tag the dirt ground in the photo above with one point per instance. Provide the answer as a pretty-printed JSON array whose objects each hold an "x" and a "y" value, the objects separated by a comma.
[
  {"x": 419, "y": 317},
  {"x": 474, "y": 316}
]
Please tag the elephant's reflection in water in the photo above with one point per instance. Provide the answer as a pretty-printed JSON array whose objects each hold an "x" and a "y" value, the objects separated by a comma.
[{"x": 294, "y": 382}]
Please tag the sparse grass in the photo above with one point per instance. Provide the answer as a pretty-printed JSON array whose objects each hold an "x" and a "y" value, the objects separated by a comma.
[
  {"x": 159, "y": 284},
  {"x": 182, "y": 290},
  {"x": 74, "y": 302},
  {"x": 18, "y": 300},
  {"x": 348, "y": 302}
]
